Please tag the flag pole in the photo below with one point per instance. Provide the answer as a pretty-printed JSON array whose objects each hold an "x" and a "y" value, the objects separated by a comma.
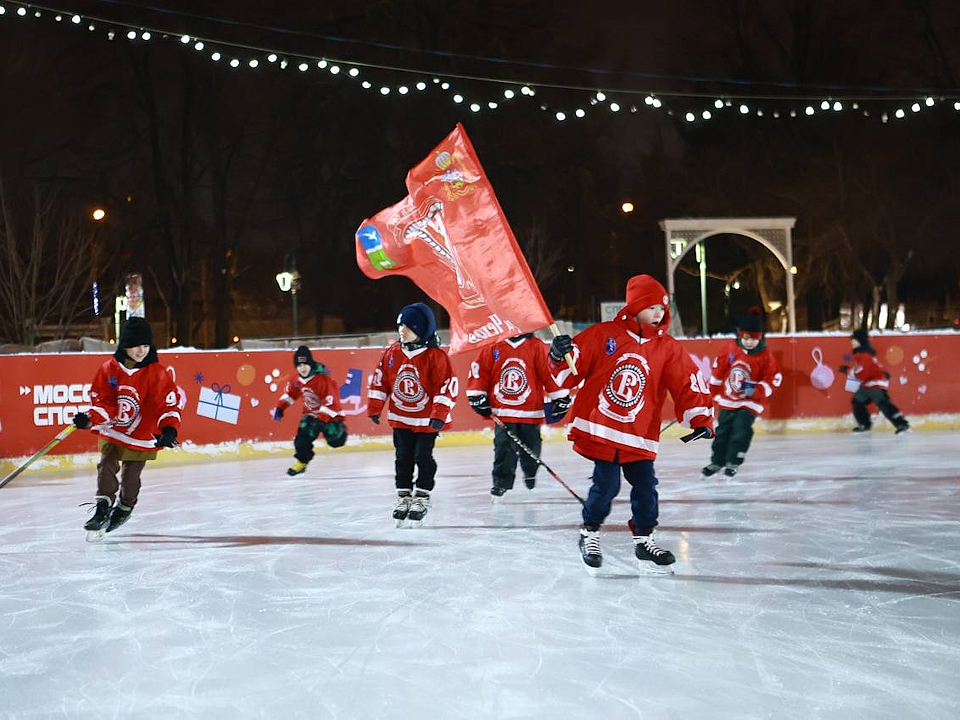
[{"x": 568, "y": 357}]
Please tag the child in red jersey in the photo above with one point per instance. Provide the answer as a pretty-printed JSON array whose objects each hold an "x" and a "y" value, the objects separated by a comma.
[
  {"x": 321, "y": 408},
  {"x": 874, "y": 382},
  {"x": 627, "y": 367},
  {"x": 135, "y": 411},
  {"x": 510, "y": 380},
  {"x": 414, "y": 383},
  {"x": 744, "y": 377}
]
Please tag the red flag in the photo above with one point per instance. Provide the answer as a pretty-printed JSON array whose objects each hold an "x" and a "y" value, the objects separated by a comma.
[{"x": 449, "y": 236}]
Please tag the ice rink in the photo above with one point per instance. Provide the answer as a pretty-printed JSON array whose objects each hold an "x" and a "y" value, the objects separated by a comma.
[{"x": 822, "y": 582}]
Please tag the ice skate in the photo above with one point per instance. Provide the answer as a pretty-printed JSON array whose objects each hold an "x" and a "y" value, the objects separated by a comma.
[
  {"x": 298, "y": 468},
  {"x": 118, "y": 516},
  {"x": 861, "y": 429},
  {"x": 730, "y": 470},
  {"x": 402, "y": 508},
  {"x": 710, "y": 470},
  {"x": 590, "y": 546},
  {"x": 530, "y": 482},
  {"x": 902, "y": 427},
  {"x": 97, "y": 524},
  {"x": 652, "y": 558},
  {"x": 419, "y": 508},
  {"x": 496, "y": 495}
]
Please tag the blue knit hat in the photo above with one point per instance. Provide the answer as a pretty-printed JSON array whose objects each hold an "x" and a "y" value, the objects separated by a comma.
[{"x": 419, "y": 318}]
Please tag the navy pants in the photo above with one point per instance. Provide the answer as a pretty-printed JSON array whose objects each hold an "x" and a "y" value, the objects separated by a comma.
[
  {"x": 644, "y": 501},
  {"x": 414, "y": 449}
]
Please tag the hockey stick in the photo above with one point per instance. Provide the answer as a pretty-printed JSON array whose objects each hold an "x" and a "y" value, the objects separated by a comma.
[
  {"x": 533, "y": 455},
  {"x": 39, "y": 454},
  {"x": 672, "y": 422}
]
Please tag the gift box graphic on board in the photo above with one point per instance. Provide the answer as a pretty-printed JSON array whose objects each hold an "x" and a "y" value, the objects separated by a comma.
[{"x": 217, "y": 403}]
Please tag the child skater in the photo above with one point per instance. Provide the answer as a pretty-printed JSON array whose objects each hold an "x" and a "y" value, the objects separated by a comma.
[
  {"x": 135, "y": 412},
  {"x": 321, "y": 408},
  {"x": 744, "y": 377},
  {"x": 874, "y": 381},
  {"x": 414, "y": 383},
  {"x": 627, "y": 367},
  {"x": 509, "y": 380}
]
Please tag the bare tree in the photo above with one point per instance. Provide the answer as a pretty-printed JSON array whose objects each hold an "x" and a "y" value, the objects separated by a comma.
[{"x": 45, "y": 268}]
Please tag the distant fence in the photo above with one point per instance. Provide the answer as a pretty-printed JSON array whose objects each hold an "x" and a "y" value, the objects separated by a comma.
[{"x": 228, "y": 394}]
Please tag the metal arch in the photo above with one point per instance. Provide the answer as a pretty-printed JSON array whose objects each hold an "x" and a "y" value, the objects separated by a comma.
[{"x": 775, "y": 234}]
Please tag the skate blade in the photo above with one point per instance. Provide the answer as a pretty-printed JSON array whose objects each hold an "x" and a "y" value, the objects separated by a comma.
[
  {"x": 95, "y": 535},
  {"x": 648, "y": 568},
  {"x": 400, "y": 522},
  {"x": 416, "y": 523}
]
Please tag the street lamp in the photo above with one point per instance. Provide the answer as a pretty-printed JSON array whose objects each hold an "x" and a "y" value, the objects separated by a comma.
[{"x": 289, "y": 281}]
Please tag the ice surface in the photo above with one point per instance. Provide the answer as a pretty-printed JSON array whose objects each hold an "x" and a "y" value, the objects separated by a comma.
[{"x": 822, "y": 582}]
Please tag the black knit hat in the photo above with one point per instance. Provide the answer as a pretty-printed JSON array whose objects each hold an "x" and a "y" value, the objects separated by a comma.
[
  {"x": 302, "y": 355},
  {"x": 861, "y": 335},
  {"x": 135, "y": 331}
]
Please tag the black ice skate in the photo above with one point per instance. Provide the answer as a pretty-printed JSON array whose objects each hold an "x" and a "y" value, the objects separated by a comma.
[
  {"x": 650, "y": 556},
  {"x": 730, "y": 470},
  {"x": 402, "y": 508},
  {"x": 530, "y": 482},
  {"x": 419, "y": 508},
  {"x": 710, "y": 470},
  {"x": 590, "y": 546},
  {"x": 903, "y": 427},
  {"x": 861, "y": 429},
  {"x": 118, "y": 516},
  {"x": 496, "y": 495},
  {"x": 96, "y": 526}
]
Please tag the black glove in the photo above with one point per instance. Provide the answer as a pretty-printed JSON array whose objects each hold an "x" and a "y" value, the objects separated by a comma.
[
  {"x": 700, "y": 432},
  {"x": 436, "y": 424},
  {"x": 843, "y": 368},
  {"x": 749, "y": 390},
  {"x": 277, "y": 414},
  {"x": 480, "y": 404},
  {"x": 335, "y": 433},
  {"x": 82, "y": 420},
  {"x": 560, "y": 346},
  {"x": 558, "y": 408},
  {"x": 167, "y": 437},
  {"x": 375, "y": 419}
]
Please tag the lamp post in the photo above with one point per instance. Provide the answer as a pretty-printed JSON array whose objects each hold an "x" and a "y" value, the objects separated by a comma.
[{"x": 289, "y": 281}]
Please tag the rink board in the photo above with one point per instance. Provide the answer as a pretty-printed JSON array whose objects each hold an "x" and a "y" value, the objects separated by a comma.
[{"x": 228, "y": 396}]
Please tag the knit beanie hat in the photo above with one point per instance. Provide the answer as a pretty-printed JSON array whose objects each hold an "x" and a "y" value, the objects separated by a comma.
[
  {"x": 135, "y": 331},
  {"x": 302, "y": 355},
  {"x": 751, "y": 324},
  {"x": 419, "y": 318},
  {"x": 862, "y": 336},
  {"x": 644, "y": 291}
]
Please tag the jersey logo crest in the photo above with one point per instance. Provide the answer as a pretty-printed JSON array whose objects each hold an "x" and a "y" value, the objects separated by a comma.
[
  {"x": 409, "y": 394},
  {"x": 513, "y": 387},
  {"x": 611, "y": 346},
  {"x": 621, "y": 398}
]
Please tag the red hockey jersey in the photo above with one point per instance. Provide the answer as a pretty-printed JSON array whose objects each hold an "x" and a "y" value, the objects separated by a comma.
[
  {"x": 321, "y": 396},
  {"x": 735, "y": 370},
  {"x": 625, "y": 380},
  {"x": 419, "y": 385},
  {"x": 131, "y": 405},
  {"x": 869, "y": 371},
  {"x": 515, "y": 375}
]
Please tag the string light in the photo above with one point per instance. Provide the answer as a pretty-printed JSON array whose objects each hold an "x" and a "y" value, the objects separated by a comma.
[{"x": 252, "y": 56}]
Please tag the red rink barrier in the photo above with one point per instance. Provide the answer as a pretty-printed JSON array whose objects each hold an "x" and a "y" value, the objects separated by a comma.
[{"x": 228, "y": 395}]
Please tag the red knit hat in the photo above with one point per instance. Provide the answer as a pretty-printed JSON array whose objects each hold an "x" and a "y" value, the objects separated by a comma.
[{"x": 644, "y": 291}]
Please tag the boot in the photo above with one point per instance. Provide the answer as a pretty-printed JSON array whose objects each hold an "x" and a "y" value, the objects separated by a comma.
[
  {"x": 590, "y": 546},
  {"x": 118, "y": 516}
]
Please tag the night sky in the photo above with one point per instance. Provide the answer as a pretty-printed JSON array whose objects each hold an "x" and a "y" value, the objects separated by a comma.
[{"x": 211, "y": 175}]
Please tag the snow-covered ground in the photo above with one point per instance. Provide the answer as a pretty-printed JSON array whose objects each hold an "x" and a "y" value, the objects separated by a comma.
[{"x": 822, "y": 582}]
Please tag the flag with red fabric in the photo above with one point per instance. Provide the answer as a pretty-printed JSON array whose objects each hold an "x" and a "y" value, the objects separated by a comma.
[{"x": 450, "y": 237}]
